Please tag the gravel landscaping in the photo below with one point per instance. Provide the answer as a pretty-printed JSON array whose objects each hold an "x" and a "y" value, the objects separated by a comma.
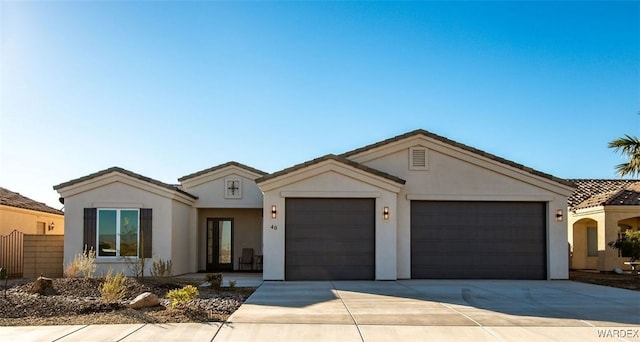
[{"x": 78, "y": 301}]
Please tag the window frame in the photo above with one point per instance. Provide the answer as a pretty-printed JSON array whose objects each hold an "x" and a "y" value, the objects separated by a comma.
[
  {"x": 118, "y": 233},
  {"x": 595, "y": 230}
]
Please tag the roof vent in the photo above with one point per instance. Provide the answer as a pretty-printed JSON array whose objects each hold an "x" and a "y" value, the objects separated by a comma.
[{"x": 418, "y": 158}]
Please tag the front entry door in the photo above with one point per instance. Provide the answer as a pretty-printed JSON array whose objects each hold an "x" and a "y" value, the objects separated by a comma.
[{"x": 219, "y": 244}]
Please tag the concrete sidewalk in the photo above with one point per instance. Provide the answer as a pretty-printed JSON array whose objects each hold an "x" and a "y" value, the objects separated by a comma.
[{"x": 410, "y": 310}]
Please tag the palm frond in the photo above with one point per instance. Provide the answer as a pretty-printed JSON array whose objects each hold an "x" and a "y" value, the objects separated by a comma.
[{"x": 628, "y": 146}]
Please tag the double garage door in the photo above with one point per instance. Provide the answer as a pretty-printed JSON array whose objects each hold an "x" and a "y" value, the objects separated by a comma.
[
  {"x": 334, "y": 239},
  {"x": 478, "y": 240}
]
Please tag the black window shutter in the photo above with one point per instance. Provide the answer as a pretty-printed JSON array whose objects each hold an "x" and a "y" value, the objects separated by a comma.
[
  {"x": 145, "y": 225},
  {"x": 90, "y": 223}
]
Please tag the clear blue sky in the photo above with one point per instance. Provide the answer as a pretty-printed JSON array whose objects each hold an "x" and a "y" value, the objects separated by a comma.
[{"x": 169, "y": 88}]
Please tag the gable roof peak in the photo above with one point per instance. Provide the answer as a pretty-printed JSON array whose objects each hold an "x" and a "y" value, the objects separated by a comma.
[
  {"x": 125, "y": 172},
  {"x": 453, "y": 143},
  {"x": 333, "y": 157},
  {"x": 222, "y": 166}
]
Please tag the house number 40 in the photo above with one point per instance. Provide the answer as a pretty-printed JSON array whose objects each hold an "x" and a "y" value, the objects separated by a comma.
[{"x": 274, "y": 227}]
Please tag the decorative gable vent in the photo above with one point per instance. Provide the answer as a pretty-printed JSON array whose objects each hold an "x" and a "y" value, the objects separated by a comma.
[
  {"x": 418, "y": 158},
  {"x": 233, "y": 188}
]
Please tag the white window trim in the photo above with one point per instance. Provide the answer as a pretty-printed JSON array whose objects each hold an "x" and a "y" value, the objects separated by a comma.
[{"x": 117, "y": 256}]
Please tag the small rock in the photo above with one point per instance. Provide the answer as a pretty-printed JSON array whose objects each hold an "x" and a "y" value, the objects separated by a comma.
[
  {"x": 618, "y": 271},
  {"x": 145, "y": 300},
  {"x": 42, "y": 286}
]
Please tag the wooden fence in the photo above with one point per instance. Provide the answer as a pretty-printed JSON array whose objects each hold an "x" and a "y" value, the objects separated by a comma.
[{"x": 29, "y": 256}]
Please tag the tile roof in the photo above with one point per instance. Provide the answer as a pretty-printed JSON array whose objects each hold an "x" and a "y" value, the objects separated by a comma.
[
  {"x": 125, "y": 172},
  {"x": 221, "y": 166},
  {"x": 459, "y": 145},
  {"x": 600, "y": 192},
  {"x": 14, "y": 199},
  {"x": 336, "y": 158}
]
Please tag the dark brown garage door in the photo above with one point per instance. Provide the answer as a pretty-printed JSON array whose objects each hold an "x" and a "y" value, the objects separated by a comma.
[
  {"x": 329, "y": 239},
  {"x": 478, "y": 240}
]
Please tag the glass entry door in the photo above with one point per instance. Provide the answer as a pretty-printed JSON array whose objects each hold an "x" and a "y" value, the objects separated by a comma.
[{"x": 219, "y": 244}]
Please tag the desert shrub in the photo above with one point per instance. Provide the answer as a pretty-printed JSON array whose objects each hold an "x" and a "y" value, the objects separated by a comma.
[
  {"x": 628, "y": 245},
  {"x": 162, "y": 268},
  {"x": 183, "y": 295},
  {"x": 84, "y": 263},
  {"x": 71, "y": 270},
  {"x": 215, "y": 279},
  {"x": 232, "y": 284},
  {"x": 114, "y": 288}
]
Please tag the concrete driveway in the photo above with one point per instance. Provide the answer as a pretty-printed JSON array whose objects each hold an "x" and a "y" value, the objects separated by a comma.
[{"x": 411, "y": 310}]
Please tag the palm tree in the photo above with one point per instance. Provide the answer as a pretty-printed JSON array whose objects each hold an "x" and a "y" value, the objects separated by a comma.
[{"x": 629, "y": 146}]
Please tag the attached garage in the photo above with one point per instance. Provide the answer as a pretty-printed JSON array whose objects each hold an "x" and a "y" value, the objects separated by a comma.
[
  {"x": 330, "y": 239},
  {"x": 478, "y": 240}
]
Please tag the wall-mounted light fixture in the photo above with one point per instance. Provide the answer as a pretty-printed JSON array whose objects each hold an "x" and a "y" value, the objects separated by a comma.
[
  {"x": 273, "y": 211},
  {"x": 385, "y": 213},
  {"x": 559, "y": 215},
  {"x": 51, "y": 226}
]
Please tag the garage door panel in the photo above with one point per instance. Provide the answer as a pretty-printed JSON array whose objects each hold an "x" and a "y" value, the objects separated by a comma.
[
  {"x": 491, "y": 240},
  {"x": 329, "y": 238},
  {"x": 323, "y": 273},
  {"x": 346, "y": 247}
]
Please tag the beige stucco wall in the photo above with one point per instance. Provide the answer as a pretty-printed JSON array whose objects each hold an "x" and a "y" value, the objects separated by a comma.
[
  {"x": 607, "y": 220},
  {"x": 210, "y": 189},
  {"x": 114, "y": 191},
  {"x": 180, "y": 241},
  {"x": 330, "y": 179},
  {"x": 26, "y": 221},
  {"x": 247, "y": 231},
  {"x": 578, "y": 240},
  {"x": 458, "y": 175}
]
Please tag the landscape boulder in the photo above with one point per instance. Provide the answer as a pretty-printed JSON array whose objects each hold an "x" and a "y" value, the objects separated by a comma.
[
  {"x": 43, "y": 286},
  {"x": 144, "y": 300}
]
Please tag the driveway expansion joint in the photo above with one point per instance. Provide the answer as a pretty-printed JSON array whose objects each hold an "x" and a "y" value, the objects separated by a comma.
[{"x": 347, "y": 308}]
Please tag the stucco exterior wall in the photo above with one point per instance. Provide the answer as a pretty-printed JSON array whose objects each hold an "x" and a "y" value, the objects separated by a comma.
[
  {"x": 606, "y": 219},
  {"x": 210, "y": 189},
  {"x": 330, "y": 181},
  {"x": 120, "y": 195},
  {"x": 578, "y": 240},
  {"x": 26, "y": 221},
  {"x": 457, "y": 175},
  {"x": 180, "y": 239},
  {"x": 247, "y": 232}
]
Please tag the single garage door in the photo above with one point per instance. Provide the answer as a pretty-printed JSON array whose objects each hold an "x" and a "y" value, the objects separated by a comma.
[
  {"x": 478, "y": 240},
  {"x": 329, "y": 239}
]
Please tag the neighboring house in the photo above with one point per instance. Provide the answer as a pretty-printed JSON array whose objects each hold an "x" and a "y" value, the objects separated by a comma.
[
  {"x": 601, "y": 210},
  {"x": 25, "y": 215},
  {"x": 417, "y": 205}
]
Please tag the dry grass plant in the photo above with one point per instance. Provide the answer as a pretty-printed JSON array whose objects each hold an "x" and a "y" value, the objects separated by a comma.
[{"x": 114, "y": 288}]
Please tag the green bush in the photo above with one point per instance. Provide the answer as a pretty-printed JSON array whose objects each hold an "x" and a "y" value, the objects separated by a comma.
[
  {"x": 215, "y": 279},
  {"x": 183, "y": 295},
  {"x": 162, "y": 268},
  {"x": 628, "y": 245},
  {"x": 113, "y": 289},
  {"x": 232, "y": 284}
]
